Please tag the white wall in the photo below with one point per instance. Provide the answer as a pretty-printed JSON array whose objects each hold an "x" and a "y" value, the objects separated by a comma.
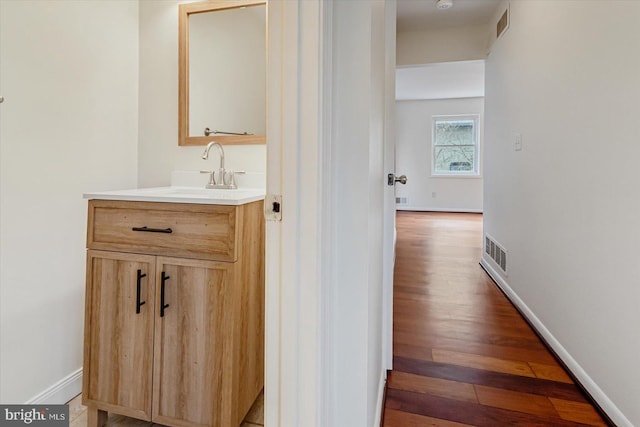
[
  {"x": 413, "y": 158},
  {"x": 442, "y": 80},
  {"x": 68, "y": 126},
  {"x": 566, "y": 207},
  {"x": 158, "y": 149},
  {"x": 442, "y": 45}
]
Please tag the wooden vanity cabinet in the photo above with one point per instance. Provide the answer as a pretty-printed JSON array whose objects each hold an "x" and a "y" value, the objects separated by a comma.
[{"x": 174, "y": 340}]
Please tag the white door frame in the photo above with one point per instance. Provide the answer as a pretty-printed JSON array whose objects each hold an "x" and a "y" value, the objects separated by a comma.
[
  {"x": 298, "y": 169},
  {"x": 389, "y": 215},
  {"x": 298, "y": 377}
]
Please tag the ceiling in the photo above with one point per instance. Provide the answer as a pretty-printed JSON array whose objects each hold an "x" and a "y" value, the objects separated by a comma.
[
  {"x": 422, "y": 15},
  {"x": 461, "y": 79}
]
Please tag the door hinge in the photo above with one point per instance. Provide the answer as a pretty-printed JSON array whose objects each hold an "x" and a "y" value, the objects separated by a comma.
[{"x": 273, "y": 207}]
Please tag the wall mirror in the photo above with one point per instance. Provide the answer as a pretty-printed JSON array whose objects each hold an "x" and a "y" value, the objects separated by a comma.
[{"x": 222, "y": 72}]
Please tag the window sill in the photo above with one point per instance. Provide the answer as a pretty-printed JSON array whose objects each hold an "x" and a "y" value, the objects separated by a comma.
[{"x": 456, "y": 176}]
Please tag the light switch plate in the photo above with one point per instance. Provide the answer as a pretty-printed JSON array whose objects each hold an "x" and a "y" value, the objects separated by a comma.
[{"x": 518, "y": 142}]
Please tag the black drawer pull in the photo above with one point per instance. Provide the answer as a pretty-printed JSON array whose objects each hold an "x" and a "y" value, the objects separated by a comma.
[
  {"x": 138, "y": 289},
  {"x": 153, "y": 230},
  {"x": 162, "y": 304}
]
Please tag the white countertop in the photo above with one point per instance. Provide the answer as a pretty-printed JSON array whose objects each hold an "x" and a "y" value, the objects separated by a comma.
[{"x": 176, "y": 194}]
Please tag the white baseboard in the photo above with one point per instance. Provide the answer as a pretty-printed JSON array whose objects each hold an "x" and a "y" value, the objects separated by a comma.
[
  {"x": 61, "y": 392},
  {"x": 380, "y": 403},
  {"x": 428, "y": 209},
  {"x": 585, "y": 380}
]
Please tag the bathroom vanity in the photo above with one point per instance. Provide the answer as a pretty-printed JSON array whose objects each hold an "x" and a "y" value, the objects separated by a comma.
[{"x": 174, "y": 316}]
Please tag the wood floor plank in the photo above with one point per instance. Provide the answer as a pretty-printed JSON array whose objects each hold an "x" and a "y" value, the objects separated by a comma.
[
  {"x": 465, "y": 412},
  {"x": 494, "y": 364},
  {"x": 412, "y": 351},
  {"x": 435, "y": 386},
  {"x": 481, "y": 337},
  {"x": 550, "y": 372},
  {"x": 488, "y": 378},
  {"x": 516, "y": 401},
  {"x": 415, "y": 350},
  {"x": 578, "y": 411},
  {"x": 456, "y": 326},
  {"x": 455, "y": 329},
  {"x": 393, "y": 418}
]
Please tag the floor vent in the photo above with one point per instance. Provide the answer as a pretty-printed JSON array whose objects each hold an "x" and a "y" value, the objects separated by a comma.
[
  {"x": 496, "y": 252},
  {"x": 503, "y": 23},
  {"x": 402, "y": 200}
]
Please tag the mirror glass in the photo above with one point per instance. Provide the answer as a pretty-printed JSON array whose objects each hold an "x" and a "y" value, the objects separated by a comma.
[{"x": 222, "y": 73}]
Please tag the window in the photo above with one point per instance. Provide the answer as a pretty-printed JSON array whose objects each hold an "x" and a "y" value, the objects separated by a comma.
[{"x": 455, "y": 145}]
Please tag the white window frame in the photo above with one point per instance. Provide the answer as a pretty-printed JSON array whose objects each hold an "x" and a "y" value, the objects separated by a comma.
[{"x": 475, "y": 173}]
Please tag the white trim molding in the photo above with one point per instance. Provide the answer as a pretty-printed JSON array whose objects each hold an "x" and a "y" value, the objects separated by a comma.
[
  {"x": 578, "y": 372},
  {"x": 275, "y": 40},
  {"x": 380, "y": 404},
  {"x": 60, "y": 392},
  {"x": 326, "y": 178},
  {"x": 428, "y": 209},
  {"x": 295, "y": 340}
]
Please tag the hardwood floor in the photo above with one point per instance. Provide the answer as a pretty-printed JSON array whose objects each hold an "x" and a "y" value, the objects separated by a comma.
[{"x": 463, "y": 355}]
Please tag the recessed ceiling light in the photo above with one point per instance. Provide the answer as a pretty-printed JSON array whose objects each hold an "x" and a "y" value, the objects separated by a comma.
[{"x": 444, "y": 4}]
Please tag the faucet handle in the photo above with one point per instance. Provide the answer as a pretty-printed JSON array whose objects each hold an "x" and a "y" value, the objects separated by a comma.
[
  {"x": 212, "y": 179},
  {"x": 232, "y": 181}
]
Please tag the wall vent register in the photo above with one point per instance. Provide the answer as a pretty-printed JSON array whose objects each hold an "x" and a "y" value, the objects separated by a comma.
[
  {"x": 503, "y": 23},
  {"x": 496, "y": 252}
]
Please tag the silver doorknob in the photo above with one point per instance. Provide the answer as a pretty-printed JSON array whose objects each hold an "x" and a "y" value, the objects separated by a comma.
[{"x": 392, "y": 179}]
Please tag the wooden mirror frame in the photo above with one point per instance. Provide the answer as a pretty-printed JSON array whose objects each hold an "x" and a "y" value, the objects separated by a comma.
[{"x": 184, "y": 10}]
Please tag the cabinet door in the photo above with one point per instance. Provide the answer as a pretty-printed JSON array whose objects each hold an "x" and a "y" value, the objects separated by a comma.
[
  {"x": 119, "y": 322},
  {"x": 192, "y": 377}
]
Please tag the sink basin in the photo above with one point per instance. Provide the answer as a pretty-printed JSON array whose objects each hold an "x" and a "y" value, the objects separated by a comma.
[{"x": 183, "y": 195}]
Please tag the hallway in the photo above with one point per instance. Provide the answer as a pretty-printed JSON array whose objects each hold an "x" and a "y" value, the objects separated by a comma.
[{"x": 462, "y": 353}]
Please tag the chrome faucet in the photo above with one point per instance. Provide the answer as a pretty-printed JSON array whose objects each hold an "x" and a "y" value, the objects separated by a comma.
[{"x": 223, "y": 181}]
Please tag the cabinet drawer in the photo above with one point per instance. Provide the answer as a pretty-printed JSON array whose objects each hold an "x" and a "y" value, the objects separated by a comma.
[{"x": 171, "y": 229}]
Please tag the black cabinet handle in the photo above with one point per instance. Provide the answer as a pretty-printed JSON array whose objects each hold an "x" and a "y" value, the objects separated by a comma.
[
  {"x": 162, "y": 304},
  {"x": 153, "y": 230},
  {"x": 138, "y": 289}
]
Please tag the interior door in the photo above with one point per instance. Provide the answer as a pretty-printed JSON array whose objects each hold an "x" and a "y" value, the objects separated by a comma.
[{"x": 389, "y": 214}]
